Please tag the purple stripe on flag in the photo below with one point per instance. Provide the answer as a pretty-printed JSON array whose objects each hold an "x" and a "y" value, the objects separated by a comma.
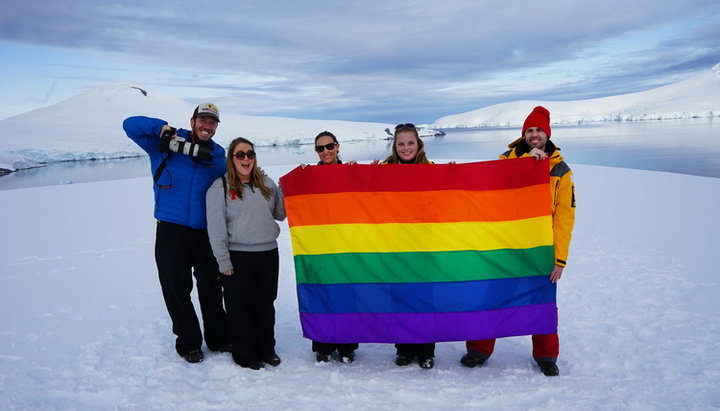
[{"x": 430, "y": 327}]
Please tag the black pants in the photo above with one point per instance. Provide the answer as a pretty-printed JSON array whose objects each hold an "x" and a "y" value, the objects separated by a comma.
[
  {"x": 180, "y": 253},
  {"x": 328, "y": 348},
  {"x": 416, "y": 350},
  {"x": 249, "y": 296}
]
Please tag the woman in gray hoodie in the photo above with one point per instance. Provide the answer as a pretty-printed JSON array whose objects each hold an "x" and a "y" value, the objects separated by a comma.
[{"x": 242, "y": 208}]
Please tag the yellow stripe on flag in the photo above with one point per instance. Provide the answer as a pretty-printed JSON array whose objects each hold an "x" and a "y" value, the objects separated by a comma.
[{"x": 421, "y": 237}]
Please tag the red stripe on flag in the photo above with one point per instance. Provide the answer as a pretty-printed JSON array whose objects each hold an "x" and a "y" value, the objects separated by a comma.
[{"x": 486, "y": 175}]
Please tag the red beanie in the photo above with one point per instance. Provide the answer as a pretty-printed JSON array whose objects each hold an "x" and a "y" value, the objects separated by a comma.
[{"x": 540, "y": 117}]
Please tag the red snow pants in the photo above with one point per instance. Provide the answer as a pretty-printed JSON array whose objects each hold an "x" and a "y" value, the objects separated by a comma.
[{"x": 545, "y": 347}]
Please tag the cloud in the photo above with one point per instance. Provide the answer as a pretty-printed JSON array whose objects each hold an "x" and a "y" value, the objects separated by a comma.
[{"x": 378, "y": 57}]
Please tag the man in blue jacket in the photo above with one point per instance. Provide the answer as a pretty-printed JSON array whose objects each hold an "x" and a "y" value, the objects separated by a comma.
[{"x": 184, "y": 164}]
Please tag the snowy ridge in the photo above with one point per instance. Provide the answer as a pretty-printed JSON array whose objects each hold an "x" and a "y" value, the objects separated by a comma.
[
  {"x": 695, "y": 97},
  {"x": 89, "y": 126}
]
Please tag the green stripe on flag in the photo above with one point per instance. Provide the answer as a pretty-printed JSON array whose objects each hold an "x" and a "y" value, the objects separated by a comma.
[{"x": 418, "y": 267}]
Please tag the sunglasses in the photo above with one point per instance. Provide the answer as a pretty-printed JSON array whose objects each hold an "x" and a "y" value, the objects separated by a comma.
[
  {"x": 328, "y": 146},
  {"x": 406, "y": 125},
  {"x": 241, "y": 154}
]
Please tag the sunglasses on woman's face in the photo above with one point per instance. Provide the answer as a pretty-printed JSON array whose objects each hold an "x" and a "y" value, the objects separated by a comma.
[
  {"x": 328, "y": 146},
  {"x": 241, "y": 154}
]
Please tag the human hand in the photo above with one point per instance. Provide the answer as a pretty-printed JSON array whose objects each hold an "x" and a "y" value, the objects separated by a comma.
[
  {"x": 351, "y": 163},
  {"x": 168, "y": 132},
  {"x": 375, "y": 162},
  {"x": 303, "y": 165},
  {"x": 538, "y": 154},
  {"x": 229, "y": 272},
  {"x": 556, "y": 273},
  {"x": 451, "y": 162}
]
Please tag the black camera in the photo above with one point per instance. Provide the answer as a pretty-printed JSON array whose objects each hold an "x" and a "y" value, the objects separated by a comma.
[{"x": 178, "y": 144}]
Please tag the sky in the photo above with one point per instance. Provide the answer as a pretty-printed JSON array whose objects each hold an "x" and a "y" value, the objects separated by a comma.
[{"x": 373, "y": 61}]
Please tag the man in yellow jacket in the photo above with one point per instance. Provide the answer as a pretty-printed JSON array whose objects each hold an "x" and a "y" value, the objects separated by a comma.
[{"x": 535, "y": 142}]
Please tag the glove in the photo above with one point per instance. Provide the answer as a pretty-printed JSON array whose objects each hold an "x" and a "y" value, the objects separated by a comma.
[
  {"x": 167, "y": 133},
  {"x": 204, "y": 153}
]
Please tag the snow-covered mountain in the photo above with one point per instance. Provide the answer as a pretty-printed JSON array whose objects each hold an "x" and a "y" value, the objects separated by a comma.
[
  {"x": 89, "y": 126},
  {"x": 697, "y": 96}
]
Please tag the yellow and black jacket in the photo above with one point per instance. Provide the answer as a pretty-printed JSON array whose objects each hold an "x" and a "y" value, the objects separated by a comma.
[{"x": 562, "y": 192}]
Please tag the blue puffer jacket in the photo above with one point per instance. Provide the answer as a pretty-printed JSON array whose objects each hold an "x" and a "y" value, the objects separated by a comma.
[{"x": 181, "y": 187}]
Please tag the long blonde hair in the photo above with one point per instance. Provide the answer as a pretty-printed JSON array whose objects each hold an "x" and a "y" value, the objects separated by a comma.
[
  {"x": 420, "y": 157},
  {"x": 257, "y": 179}
]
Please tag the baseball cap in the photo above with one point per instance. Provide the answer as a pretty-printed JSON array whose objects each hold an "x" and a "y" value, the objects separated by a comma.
[{"x": 207, "y": 110}]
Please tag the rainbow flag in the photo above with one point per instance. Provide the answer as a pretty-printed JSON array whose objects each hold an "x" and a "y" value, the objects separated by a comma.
[{"x": 422, "y": 253}]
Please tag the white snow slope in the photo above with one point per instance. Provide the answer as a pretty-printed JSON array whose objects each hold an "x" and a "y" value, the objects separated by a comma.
[
  {"x": 697, "y": 96},
  {"x": 89, "y": 126},
  {"x": 83, "y": 325}
]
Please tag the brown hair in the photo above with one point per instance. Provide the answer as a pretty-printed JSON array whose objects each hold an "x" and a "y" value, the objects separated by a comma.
[
  {"x": 420, "y": 157},
  {"x": 326, "y": 134},
  {"x": 257, "y": 178},
  {"x": 334, "y": 139}
]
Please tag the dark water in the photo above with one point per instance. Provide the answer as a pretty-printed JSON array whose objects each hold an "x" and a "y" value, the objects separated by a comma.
[{"x": 677, "y": 146}]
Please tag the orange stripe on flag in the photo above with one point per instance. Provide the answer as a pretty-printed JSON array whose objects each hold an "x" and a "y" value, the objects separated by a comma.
[{"x": 418, "y": 206}]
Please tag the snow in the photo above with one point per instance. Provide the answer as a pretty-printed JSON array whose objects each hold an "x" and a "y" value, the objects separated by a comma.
[
  {"x": 84, "y": 325},
  {"x": 12, "y": 162},
  {"x": 697, "y": 96},
  {"x": 89, "y": 126}
]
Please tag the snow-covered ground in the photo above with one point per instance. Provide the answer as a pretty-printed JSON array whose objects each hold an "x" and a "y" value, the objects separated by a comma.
[
  {"x": 83, "y": 325},
  {"x": 697, "y": 96}
]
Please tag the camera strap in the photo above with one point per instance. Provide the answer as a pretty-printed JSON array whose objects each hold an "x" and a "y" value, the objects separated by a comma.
[
  {"x": 225, "y": 190},
  {"x": 159, "y": 171}
]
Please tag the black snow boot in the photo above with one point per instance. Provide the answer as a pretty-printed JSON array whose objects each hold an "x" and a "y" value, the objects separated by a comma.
[
  {"x": 426, "y": 362},
  {"x": 549, "y": 368},
  {"x": 471, "y": 360},
  {"x": 194, "y": 356}
]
